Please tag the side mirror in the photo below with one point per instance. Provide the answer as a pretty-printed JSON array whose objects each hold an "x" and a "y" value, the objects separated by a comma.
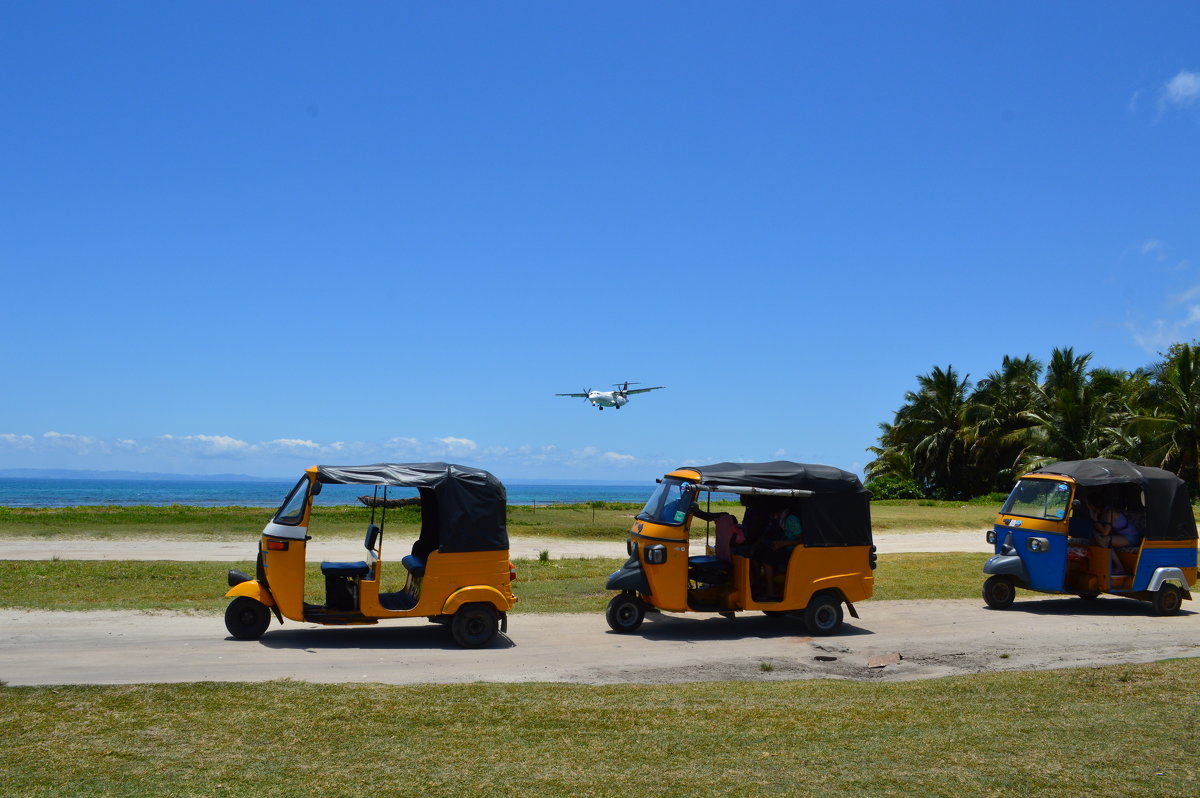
[{"x": 316, "y": 488}]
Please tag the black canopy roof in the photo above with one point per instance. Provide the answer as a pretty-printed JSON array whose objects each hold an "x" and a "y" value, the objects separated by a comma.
[
  {"x": 1168, "y": 508},
  {"x": 470, "y": 502},
  {"x": 837, "y": 514}
]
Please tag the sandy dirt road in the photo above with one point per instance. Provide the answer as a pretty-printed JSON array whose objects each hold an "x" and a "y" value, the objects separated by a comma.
[
  {"x": 351, "y": 549},
  {"x": 934, "y": 638}
]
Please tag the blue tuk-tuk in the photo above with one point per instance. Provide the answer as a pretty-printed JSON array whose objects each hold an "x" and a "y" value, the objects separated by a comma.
[{"x": 1045, "y": 538}]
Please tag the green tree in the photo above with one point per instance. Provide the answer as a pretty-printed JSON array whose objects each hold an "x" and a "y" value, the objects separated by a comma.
[
  {"x": 994, "y": 418},
  {"x": 1077, "y": 413},
  {"x": 928, "y": 427},
  {"x": 1169, "y": 422}
]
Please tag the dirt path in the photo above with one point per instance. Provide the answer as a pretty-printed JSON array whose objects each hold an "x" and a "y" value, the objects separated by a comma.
[
  {"x": 346, "y": 549},
  {"x": 934, "y": 638}
]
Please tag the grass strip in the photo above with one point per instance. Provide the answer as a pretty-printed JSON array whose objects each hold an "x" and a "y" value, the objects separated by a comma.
[
  {"x": 566, "y": 585},
  {"x": 1058, "y": 733},
  {"x": 595, "y": 521}
]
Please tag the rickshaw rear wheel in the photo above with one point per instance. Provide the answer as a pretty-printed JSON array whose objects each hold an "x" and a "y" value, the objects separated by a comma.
[
  {"x": 823, "y": 615},
  {"x": 625, "y": 613},
  {"x": 474, "y": 625},
  {"x": 1167, "y": 600},
  {"x": 247, "y": 619},
  {"x": 999, "y": 592}
]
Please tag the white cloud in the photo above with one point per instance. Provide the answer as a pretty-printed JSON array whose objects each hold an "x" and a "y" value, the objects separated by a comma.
[
  {"x": 294, "y": 443},
  {"x": 211, "y": 445},
  {"x": 614, "y": 457},
  {"x": 458, "y": 446},
  {"x": 1161, "y": 333},
  {"x": 76, "y": 444},
  {"x": 1186, "y": 296},
  {"x": 19, "y": 441},
  {"x": 1183, "y": 89}
]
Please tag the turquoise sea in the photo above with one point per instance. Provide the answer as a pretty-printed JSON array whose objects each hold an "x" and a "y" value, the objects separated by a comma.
[{"x": 33, "y": 492}]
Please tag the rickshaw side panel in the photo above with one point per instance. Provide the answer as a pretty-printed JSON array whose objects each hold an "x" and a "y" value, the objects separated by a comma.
[
  {"x": 446, "y": 574},
  {"x": 820, "y": 569},
  {"x": 1157, "y": 554},
  {"x": 285, "y": 568},
  {"x": 668, "y": 580}
]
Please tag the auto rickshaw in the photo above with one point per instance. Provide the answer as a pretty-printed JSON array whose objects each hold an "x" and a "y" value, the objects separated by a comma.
[
  {"x": 457, "y": 572},
  {"x": 1043, "y": 535},
  {"x": 830, "y": 563}
]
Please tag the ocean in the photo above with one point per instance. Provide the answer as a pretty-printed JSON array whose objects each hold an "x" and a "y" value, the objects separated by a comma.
[{"x": 81, "y": 492}]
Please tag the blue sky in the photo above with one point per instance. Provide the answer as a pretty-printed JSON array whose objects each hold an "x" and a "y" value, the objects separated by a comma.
[{"x": 250, "y": 237}]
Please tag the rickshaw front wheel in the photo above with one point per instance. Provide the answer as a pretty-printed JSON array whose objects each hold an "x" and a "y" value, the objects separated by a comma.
[
  {"x": 999, "y": 592},
  {"x": 474, "y": 625},
  {"x": 823, "y": 615},
  {"x": 247, "y": 619},
  {"x": 1167, "y": 600},
  {"x": 625, "y": 613}
]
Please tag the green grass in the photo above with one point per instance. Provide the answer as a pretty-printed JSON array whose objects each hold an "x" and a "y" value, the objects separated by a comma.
[
  {"x": 601, "y": 521},
  {"x": 1119, "y": 731},
  {"x": 567, "y": 585}
]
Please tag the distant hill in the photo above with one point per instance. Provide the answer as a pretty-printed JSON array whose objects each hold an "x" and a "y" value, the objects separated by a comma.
[{"x": 67, "y": 473}]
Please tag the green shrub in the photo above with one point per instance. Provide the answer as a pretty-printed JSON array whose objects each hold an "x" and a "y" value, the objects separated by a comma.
[{"x": 893, "y": 487}]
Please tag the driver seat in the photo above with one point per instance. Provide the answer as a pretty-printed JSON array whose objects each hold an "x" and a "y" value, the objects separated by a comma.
[{"x": 360, "y": 568}]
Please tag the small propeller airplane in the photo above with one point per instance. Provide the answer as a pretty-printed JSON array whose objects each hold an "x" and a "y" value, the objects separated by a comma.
[{"x": 617, "y": 398}]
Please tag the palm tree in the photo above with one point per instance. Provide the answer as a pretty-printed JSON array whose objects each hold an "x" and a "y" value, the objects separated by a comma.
[
  {"x": 928, "y": 426},
  {"x": 1171, "y": 422},
  {"x": 1076, "y": 413},
  {"x": 994, "y": 418}
]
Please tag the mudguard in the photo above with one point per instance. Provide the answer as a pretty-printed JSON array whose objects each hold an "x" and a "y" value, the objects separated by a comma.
[
  {"x": 629, "y": 576},
  {"x": 252, "y": 589},
  {"x": 1164, "y": 575},
  {"x": 477, "y": 593},
  {"x": 1008, "y": 564}
]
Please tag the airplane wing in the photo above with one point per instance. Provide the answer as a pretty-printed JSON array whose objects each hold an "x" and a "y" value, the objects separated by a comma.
[
  {"x": 584, "y": 395},
  {"x": 645, "y": 390}
]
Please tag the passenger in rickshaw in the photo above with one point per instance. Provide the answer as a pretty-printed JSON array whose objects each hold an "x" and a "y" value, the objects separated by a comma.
[
  {"x": 781, "y": 534},
  {"x": 1111, "y": 528},
  {"x": 728, "y": 530}
]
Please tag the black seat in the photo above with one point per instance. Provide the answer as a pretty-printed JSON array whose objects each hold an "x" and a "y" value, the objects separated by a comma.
[
  {"x": 359, "y": 568},
  {"x": 414, "y": 565},
  {"x": 708, "y": 570}
]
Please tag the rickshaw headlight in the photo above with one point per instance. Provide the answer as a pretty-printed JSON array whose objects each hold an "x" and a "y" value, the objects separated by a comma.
[
  {"x": 1038, "y": 544},
  {"x": 656, "y": 554},
  {"x": 991, "y": 537}
]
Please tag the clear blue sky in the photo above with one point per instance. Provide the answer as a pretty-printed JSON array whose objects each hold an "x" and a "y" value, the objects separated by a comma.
[{"x": 250, "y": 237}]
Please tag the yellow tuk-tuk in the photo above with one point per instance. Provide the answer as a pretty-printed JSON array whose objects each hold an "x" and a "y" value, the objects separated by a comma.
[
  {"x": 821, "y": 557},
  {"x": 457, "y": 572}
]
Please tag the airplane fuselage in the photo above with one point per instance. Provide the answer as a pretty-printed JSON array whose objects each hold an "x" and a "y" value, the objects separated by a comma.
[{"x": 603, "y": 399}]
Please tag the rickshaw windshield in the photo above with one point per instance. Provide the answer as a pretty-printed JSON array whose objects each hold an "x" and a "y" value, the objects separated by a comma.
[
  {"x": 1039, "y": 498},
  {"x": 291, "y": 512},
  {"x": 669, "y": 504}
]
